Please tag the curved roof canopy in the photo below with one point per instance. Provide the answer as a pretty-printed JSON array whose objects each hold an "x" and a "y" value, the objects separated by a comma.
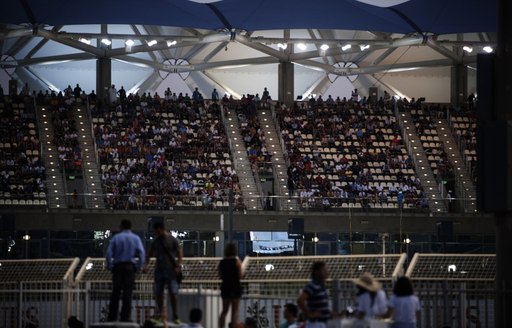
[
  {"x": 418, "y": 16},
  {"x": 158, "y": 38}
]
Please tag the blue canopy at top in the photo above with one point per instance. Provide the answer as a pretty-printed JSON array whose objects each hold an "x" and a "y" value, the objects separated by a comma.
[{"x": 414, "y": 16}]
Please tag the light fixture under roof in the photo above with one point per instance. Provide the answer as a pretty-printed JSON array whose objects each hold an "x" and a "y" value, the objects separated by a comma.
[
  {"x": 84, "y": 40},
  {"x": 467, "y": 49},
  {"x": 301, "y": 46},
  {"x": 363, "y": 47},
  {"x": 324, "y": 47},
  {"x": 129, "y": 42},
  {"x": 152, "y": 43},
  {"x": 346, "y": 47},
  {"x": 282, "y": 46},
  {"x": 488, "y": 49},
  {"x": 171, "y": 43},
  {"x": 106, "y": 41}
]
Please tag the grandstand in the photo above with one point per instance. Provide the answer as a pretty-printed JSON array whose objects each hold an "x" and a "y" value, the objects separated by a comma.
[
  {"x": 347, "y": 154},
  {"x": 163, "y": 157}
]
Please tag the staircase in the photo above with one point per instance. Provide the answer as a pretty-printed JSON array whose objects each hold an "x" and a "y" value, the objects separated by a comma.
[
  {"x": 423, "y": 169},
  {"x": 269, "y": 126},
  {"x": 466, "y": 189},
  {"x": 242, "y": 166},
  {"x": 92, "y": 183},
  {"x": 55, "y": 179}
]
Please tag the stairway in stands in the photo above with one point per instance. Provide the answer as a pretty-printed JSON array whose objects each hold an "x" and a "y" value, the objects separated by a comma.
[
  {"x": 423, "y": 169},
  {"x": 54, "y": 177},
  {"x": 92, "y": 182},
  {"x": 270, "y": 127},
  {"x": 242, "y": 166},
  {"x": 466, "y": 189}
]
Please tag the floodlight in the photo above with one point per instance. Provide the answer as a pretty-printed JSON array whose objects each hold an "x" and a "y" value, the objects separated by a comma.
[
  {"x": 346, "y": 47},
  {"x": 467, "y": 49},
  {"x": 488, "y": 49},
  {"x": 324, "y": 47},
  {"x": 129, "y": 42},
  {"x": 282, "y": 46},
  {"x": 301, "y": 46},
  {"x": 106, "y": 42},
  {"x": 364, "y": 46},
  {"x": 152, "y": 43},
  {"x": 171, "y": 43},
  {"x": 84, "y": 40}
]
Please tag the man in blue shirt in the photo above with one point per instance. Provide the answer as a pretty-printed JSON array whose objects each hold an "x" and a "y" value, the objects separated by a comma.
[{"x": 125, "y": 256}]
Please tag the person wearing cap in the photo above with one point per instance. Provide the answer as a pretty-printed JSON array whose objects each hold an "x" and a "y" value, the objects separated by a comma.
[
  {"x": 371, "y": 301},
  {"x": 313, "y": 300}
]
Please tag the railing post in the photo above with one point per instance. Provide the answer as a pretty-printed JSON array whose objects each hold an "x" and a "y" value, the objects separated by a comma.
[{"x": 336, "y": 289}]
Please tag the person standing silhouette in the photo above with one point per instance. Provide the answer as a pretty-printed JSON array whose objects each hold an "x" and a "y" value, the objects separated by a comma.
[
  {"x": 313, "y": 300},
  {"x": 168, "y": 253},
  {"x": 230, "y": 272},
  {"x": 125, "y": 256}
]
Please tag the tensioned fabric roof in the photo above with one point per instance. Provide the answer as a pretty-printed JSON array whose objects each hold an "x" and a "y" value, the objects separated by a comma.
[{"x": 414, "y": 16}]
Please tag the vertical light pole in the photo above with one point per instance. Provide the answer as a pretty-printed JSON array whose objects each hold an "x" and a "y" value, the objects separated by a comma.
[
  {"x": 26, "y": 238},
  {"x": 315, "y": 244},
  {"x": 350, "y": 228},
  {"x": 407, "y": 242},
  {"x": 400, "y": 238},
  {"x": 230, "y": 214}
]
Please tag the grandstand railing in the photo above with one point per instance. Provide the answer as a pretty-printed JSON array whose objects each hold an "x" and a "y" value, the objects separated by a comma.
[{"x": 197, "y": 202}]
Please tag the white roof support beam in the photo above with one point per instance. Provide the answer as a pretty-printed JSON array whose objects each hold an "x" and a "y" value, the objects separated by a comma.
[
  {"x": 199, "y": 67},
  {"x": 211, "y": 38},
  {"x": 281, "y": 56},
  {"x": 344, "y": 71},
  {"x": 443, "y": 51},
  {"x": 47, "y": 60},
  {"x": 98, "y": 52}
]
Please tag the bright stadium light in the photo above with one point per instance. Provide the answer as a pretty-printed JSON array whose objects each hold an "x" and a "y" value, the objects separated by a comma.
[
  {"x": 467, "y": 49},
  {"x": 84, "y": 40},
  {"x": 488, "y": 49},
  {"x": 301, "y": 46}
]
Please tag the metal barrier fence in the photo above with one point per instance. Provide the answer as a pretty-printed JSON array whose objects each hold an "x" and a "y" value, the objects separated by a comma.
[
  {"x": 443, "y": 304},
  {"x": 28, "y": 300}
]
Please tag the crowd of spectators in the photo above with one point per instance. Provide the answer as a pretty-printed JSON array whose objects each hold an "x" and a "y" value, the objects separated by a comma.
[
  {"x": 22, "y": 172},
  {"x": 164, "y": 153},
  {"x": 464, "y": 128},
  {"x": 348, "y": 152},
  {"x": 426, "y": 129},
  {"x": 252, "y": 134},
  {"x": 65, "y": 134}
]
